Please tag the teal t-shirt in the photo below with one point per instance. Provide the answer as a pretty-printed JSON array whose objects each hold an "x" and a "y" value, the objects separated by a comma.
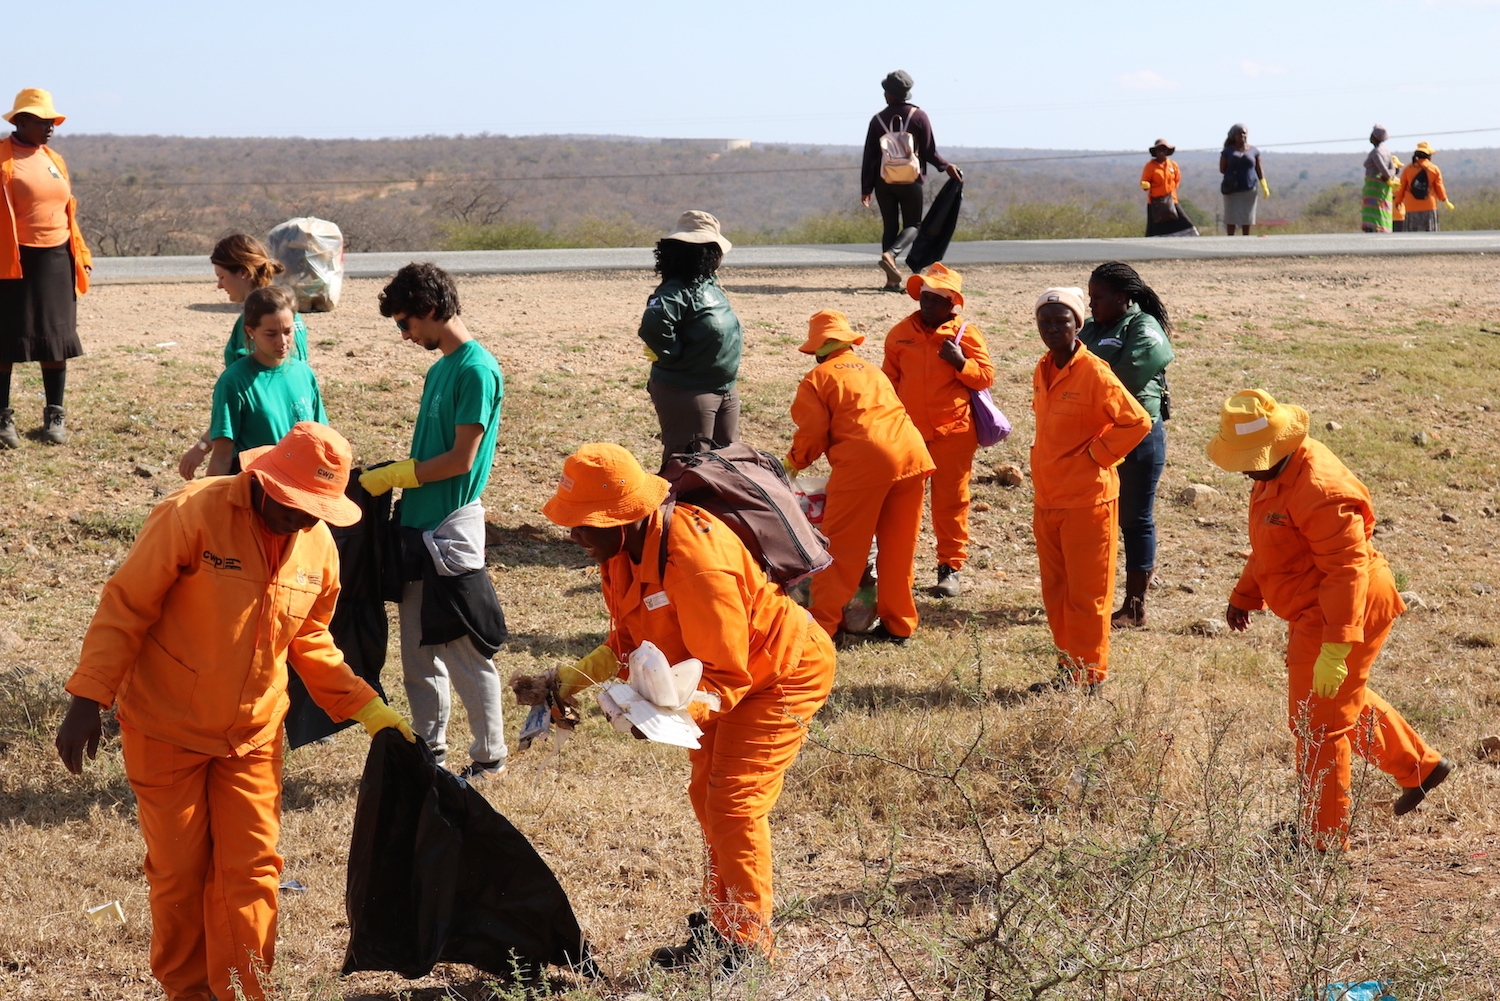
[
  {"x": 465, "y": 387},
  {"x": 255, "y": 405},
  {"x": 238, "y": 346}
]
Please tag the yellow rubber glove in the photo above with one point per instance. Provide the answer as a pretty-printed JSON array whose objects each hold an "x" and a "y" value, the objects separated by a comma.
[
  {"x": 1265, "y": 188},
  {"x": 1329, "y": 671},
  {"x": 397, "y": 474},
  {"x": 792, "y": 469},
  {"x": 1450, "y": 206},
  {"x": 646, "y": 350},
  {"x": 376, "y": 716},
  {"x": 1145, "y": 185},
  {"x": 598, "y": 667}
]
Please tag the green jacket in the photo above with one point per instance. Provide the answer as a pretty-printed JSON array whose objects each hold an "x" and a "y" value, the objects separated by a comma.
[
  {"x": 694, "y": 334},
  {"x": 1137, "y": 351}
]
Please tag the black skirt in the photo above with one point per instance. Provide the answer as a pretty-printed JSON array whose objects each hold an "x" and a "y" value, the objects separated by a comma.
[{"x": 39, "y": 311}]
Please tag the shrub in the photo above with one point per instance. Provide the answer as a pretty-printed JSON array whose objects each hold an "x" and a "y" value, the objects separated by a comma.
[{"x": 1055, "y": 221}]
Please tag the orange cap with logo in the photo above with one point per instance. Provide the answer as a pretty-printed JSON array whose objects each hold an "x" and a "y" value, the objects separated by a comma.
[
  {"x": 829, "y": 325},
  {"x": 937, "y": 279},
  {"x": 602, "y": 486},
  {"x": 307, "y": 469}
]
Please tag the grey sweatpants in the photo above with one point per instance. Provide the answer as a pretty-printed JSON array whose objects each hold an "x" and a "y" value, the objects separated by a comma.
[
  {"x": 426, "y": 672},
  {"x": 687, "y": 413}
]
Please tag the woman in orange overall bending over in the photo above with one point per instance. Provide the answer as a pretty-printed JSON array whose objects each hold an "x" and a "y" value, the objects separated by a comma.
[{"x": 1311, "y": 561}]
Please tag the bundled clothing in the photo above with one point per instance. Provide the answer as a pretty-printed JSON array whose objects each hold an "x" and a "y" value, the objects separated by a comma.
[
  {"x": 1380, "y": 174},
  {"x": 936, "y": 397},
  {"x": 694, "y": 339},
  {"x": 1312, "y": 563},
  {"x": 43, "y": 257},
  {"x": 191, "y": 640},
  {"x": 847, "y": 409},
  {"x": 1086, "y": 423}
]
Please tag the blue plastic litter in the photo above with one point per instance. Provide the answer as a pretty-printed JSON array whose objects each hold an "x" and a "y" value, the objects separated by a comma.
[{"x": 1370, "y": 990}]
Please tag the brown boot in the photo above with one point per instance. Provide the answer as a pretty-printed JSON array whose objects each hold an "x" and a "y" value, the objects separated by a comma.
[{"x": 1133, "y": 612}]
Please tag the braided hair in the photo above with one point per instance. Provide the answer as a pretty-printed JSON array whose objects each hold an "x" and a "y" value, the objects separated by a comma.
[
  {"x": 1123, "y": 279},
  {"x": 689, "y": 262}
]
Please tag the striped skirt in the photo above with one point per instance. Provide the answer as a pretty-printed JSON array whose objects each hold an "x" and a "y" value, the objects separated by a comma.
[{"x": 1375, "y": 213}]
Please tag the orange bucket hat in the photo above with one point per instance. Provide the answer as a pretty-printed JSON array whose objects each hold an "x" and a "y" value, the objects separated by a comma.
[
  {"x": 603, "y": 486},
  {"x": 937, "y": 279},
  {"x": 829, "y": 325},
  {"x": 1256, "y": 432},
  {"x": 35, "y": 101},
  {"x": 307, "y": 469}
]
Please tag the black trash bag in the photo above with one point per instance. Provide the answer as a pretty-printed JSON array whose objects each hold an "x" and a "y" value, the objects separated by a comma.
[
  {"x": 936, "y": 231},
  {"x": 437, "y": 876},
  {"x": 369, "y": 574}
]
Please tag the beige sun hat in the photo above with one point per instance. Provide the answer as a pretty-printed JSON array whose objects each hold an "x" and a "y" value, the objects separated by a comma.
[
  {"x": 35, "y": 101},
  {"x": 1256, "y": 432},
  {"x": 696, "y": 226}
]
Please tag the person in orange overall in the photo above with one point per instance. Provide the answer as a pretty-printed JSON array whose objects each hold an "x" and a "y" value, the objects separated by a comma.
[
  {"x": 1312, "y": 563},
  {"x": 1086, "y": 423},
  {"x": 767, "y": 669},
  {"x": 934, "y": 358},
  {"x": 230, "y": 578},
  {"x": 847, "y": 408}
]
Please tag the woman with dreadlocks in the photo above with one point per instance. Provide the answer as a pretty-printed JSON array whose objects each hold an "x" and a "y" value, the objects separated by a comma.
[
  {"x": 693, "y": 339},
  {"x": 1128, "y": 330}
]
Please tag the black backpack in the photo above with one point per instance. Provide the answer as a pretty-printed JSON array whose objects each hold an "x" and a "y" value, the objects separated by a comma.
[
  {"x": 1419, "y": 187},
  {"x": 748, "y": 491}
]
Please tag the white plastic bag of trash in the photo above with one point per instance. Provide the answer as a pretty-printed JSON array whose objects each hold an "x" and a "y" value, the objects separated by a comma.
[
  {"x": 312, "y": 251},
  {"x": 656, "y": 699}
]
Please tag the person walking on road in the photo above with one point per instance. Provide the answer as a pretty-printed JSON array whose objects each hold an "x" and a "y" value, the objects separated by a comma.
[
  {"x": 899, "y": 147},
  {"x": 1160, "y": 179},
  {"x": 1312, "y": 563},
  {"x": 1380, "y": 175},
  {"x": 935, "y": 359},
  {"x": 1086, "y": 424},
  {"x": 847, "y": 409},
  {"x": 44, "y": 263},
  {"x": 693, "y": 339},
  {"x": 1420, "y": 191},
  {"x": 451, "y": 620},
  {"x": 1128, "y": 331},
  {"x": 1244, "y": 182},
  {"x": 231, "y": 580}
]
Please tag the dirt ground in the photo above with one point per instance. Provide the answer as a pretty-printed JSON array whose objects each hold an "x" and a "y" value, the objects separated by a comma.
[{"x": 1393, "y": 358}]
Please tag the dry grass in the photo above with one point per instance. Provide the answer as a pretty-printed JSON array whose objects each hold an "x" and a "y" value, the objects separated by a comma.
[{"x": 940, "y": 836}]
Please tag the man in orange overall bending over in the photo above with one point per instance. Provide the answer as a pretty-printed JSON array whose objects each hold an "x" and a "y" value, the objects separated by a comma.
[
  {"x": 767, "y": 668},
  {"x": 1311, "y": 561},
  {"x": 1086, "y": 423},
  {"x": 230, "y": 577},
  {"x": 846, "y": 407},
  {"x": 934, "y": 358}
]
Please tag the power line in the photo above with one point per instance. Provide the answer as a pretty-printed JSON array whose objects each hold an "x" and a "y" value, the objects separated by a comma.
[{"x": 423, "y": 181}]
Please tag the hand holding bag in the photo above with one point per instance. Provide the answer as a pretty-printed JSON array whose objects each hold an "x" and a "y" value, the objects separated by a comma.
[{"x": 990, "y": 423}]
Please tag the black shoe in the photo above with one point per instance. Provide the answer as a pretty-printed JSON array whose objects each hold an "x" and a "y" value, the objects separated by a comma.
[
  {"x": 1412, "y": 798},
  {"x": 54, "y": 428},
  {"x": 482, "y": 770},
  {"x": 8, "y": 436},
  {"x": 880, "y": 634},
  {"x": 947, "y": 582},
  {"x": 702, "y": 937}
]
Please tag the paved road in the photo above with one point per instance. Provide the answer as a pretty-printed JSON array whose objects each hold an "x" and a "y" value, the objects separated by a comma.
[{"x": 148, "y": 270}]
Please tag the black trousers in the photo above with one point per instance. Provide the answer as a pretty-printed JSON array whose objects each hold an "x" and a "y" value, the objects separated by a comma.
[{"x": 900, "y": 207}]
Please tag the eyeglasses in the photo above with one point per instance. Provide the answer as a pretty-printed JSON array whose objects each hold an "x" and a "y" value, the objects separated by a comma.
[{"x": 404, "y": 325}]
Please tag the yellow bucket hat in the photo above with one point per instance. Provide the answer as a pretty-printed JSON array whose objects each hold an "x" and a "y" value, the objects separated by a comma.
[
  {"x": 940, "y": 280},
  {"x": 829, "y": 325},
  {"x": 602, "y": 486},
  {"x": 1256, "y": 432},
  {"x": 38, "y": 102}
]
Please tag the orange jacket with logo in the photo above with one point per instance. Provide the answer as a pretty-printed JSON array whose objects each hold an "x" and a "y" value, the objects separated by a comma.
[
  {"x": 1163, "y": 177},
  {"x": 194, "y": 631},
  {"x": 935, "y": 394},
  {"x": 713, "y": 603},
  {"x": 847, "y": 408},
  {"x": 1435, "y": 191},
  {"x": 1086, "y": 422},
  {"x": 1310, "y": 549},
  {"x": 10, "y": 246}
]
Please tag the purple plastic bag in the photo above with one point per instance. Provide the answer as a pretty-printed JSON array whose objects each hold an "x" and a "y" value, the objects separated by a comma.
[{"x": 990, "y": 423}]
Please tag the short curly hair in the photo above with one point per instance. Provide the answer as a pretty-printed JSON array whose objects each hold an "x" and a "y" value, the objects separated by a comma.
[
  {"x": 421, "y": 290},
  {"x": 687, "y": 262}
]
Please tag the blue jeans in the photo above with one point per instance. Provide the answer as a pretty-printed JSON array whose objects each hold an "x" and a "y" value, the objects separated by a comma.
[{"x": 1139, "y": 474}]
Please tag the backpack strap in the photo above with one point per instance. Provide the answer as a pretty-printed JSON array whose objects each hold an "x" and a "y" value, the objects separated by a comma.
[{"x": 667, "y": 507}]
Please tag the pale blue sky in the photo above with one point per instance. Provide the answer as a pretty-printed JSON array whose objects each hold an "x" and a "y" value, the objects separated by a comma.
[{"x": 1061, "y": 74}]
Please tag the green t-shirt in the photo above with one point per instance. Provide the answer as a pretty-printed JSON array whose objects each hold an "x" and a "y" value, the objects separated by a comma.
[
  {"x": 255, "y": 405},
  {"x": 465, "y": 387},
  {"x": 238, "y": 346}
]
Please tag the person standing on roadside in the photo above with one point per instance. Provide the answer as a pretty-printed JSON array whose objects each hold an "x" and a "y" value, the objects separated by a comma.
[
  {"x": 935, "y": 359},
  {"x": 231, "y": 580},
  {"x": 1398, "y": 211},
  {"x": 1087, "y": 422},
  {"x": 1128, "y": 331},
  {"x": 451, "y": 620},
  {"x": 693, "y": 339},
  {"x": 1312, "y": 563},
  {"x": 1420, "y": 190},
  {"x": 1380, "y": 171},
  {"x": 1160, "y": 179},
  {"x": 44, "y": 263},
  {"x": 1244, "y": 180},
  {"x": 897, "y": 188}
]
